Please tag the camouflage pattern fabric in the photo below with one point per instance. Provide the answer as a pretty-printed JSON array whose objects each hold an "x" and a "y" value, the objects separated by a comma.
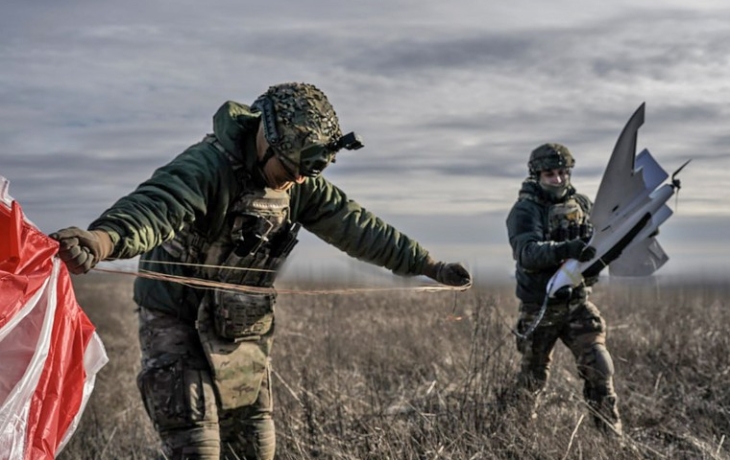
[
  {"x": 529, "y": 226},
  {"x": 238, "y": 367},
  {"x": 579, "y": 325},
  {"x": 210, "y": 206},
  {"x": 196, "y": 191},
  {"x": 298, "y": 118},
  {"x": 235, "y": 328},
  {"x": 567, "y": 221},
  {"x": 177, "y": 388},
  {"x": 550, "y": 156},
  {"x": 537, "y": 224}
]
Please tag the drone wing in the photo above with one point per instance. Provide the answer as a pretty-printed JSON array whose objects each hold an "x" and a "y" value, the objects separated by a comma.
[{"x": 626, "y": 178}]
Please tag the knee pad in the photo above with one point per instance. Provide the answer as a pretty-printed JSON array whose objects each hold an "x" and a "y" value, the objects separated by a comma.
[
  {"x": 596, "y": 368},
  {"x": 262, "y": 440},
  {"x": 201, "y": 443}
]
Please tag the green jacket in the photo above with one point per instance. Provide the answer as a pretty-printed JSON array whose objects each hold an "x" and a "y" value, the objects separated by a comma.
[
  {"x": 196, "y": 189},
  {"x": 534, "y": 252}
]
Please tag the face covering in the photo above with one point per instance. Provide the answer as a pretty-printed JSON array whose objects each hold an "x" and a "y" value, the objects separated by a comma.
[{"x": 556, "y": 192}]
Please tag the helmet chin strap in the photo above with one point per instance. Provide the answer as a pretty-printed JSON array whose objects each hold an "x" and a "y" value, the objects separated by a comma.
[
  {"x": 261, "y": 167},
  {"x": 267, "y": 156},
  {"x": 272, "y": 178}
]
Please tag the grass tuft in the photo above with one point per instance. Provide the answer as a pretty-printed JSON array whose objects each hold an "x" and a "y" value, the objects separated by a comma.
[{"x": 416, "y": 375}]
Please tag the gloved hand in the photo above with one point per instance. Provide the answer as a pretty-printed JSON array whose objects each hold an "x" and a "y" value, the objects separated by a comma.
[
  {"x": 81, "y": 250},
  {"x": 450, "y": 274},
  {"x": 575, "y": 249}
]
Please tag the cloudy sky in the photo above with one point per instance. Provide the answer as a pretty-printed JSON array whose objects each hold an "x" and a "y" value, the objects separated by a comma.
[{"x": 450, "y": 97}]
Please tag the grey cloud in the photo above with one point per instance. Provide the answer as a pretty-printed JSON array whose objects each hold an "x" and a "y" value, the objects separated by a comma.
[
  {"x": 709, "y": 158},
  {"x": 63, "y": 186},
  {"x": 132, "y": 84},
  {"x": 60, "y": 165},
  {"x": 486, "y": 168},
  {"x": 673, "y": 114},
  {"x": 409, "y": 55},
  {"x": 573, "y": 124}
]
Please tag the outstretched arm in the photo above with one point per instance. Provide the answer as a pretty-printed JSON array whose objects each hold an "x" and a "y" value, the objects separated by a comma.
[
  {"x": 185, "y": 190},
  {"x": 326, "y": 211}
]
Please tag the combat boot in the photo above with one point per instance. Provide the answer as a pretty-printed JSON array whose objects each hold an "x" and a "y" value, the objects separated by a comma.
[{"x": 605, "y": 415}]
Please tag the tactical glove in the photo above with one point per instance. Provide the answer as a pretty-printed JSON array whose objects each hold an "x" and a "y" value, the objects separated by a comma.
[
  {"x": 82, "y": 250},
  {"x": 588, "y": 253},
  {"x": 575, "y": 249},
  {"x": 450, "y": 274}
]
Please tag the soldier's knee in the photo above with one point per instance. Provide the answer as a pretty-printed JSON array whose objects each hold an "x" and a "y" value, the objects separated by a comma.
[
  {"x": 176, "y": 398},
  {"x": 595, "y": 365},
  {"x": 199, "y": 443},
  {"x": 182, "y": 406},
  {"x": 265, "y": 438}
]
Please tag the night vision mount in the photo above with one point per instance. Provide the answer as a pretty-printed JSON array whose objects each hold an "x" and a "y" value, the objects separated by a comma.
[{"x": 350, "y": 141}]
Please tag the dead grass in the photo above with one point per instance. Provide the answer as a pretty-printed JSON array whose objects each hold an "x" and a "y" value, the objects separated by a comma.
[{"x": 406, "y": 375}]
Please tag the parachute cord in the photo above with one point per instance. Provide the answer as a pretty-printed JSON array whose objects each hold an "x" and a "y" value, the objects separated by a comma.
[
  {"x": 216, "y": 267},
  {"x": 530, "y": 330},
  {"x": 209, "y": 284}
]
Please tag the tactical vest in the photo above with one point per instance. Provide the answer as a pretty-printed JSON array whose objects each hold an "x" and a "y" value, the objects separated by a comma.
[
  {"x": 255, "y": 241},
  {"x": 566, "y": 220}
]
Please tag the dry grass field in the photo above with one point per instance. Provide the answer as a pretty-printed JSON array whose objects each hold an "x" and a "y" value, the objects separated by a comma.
[{"x": 415, "y": 375}]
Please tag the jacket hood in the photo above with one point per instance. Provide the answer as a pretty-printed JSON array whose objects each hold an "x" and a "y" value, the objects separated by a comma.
[{"x": 235, "y": 127}]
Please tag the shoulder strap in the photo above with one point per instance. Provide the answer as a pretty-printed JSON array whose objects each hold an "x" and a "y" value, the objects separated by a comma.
[
  {"x": 236, "y": 164},
  {"x": 213, "y": 140}
]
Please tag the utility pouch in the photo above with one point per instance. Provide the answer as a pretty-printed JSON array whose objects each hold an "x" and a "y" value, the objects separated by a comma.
[
  {"x": 565, "y": 219},
  {"x": 238, "y": 367},
  {"x": 241, "y": 316}
]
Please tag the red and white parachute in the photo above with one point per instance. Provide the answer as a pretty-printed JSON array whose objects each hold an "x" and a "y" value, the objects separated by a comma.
[{"x": 49, "y": 350}]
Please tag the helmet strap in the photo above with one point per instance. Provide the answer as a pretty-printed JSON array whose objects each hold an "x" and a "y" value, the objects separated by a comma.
[
  {"x": 261, "y": 164},
  {"x": 267, "y": 156}
]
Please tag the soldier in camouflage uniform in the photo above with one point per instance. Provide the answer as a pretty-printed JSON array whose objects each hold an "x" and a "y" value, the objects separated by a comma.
[
  {"x": 548, "y": 224},
  {"x": 228, "y": 210}
]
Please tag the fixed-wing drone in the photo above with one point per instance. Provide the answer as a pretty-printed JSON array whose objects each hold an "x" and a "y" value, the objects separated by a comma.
[{"x": 629, "y": 208}]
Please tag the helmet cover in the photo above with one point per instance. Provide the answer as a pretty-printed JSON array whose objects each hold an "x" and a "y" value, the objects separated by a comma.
[
  {"x": 300, "y": 126},
  {"x": 550, "y": 156}
]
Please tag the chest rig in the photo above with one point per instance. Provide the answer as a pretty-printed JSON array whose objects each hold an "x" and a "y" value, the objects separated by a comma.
[
  {"x": 250, "y": 248},
  {"x": 568, "y": 220}
]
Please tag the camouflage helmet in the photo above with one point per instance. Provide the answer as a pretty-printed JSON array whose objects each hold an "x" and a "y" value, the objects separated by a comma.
[
  {"x": 300, "y": 126},
  {"x": 550, "y": 156}
]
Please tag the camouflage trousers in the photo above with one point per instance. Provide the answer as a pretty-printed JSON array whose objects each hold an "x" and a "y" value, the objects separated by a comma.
[
  {"x": 580, "y": 327},
  {"x": 176, "y": 386}
]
